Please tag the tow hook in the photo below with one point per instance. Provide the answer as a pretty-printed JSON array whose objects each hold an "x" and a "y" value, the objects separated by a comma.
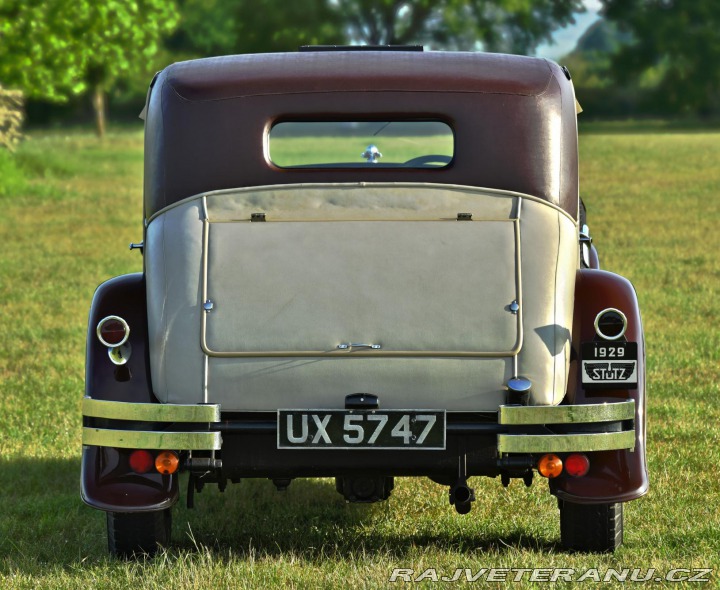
[{"x": 461, "y": 496}]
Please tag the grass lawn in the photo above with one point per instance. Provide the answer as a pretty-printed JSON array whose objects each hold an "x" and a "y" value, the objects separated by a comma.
[{"x": 71, "y": 205}]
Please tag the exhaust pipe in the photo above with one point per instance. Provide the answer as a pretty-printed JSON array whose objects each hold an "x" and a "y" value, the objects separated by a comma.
[{"x": 461, "y": 496}]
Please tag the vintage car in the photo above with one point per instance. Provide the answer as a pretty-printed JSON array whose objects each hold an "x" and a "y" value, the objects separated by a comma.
[{"x": 362, "y": 264}]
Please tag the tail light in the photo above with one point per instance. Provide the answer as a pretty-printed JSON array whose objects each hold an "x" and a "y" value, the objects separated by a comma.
[
  {"x": 550, "y": 465},
  {"x": 577, "y": 465},
  {"x": 610, "y": 324},
  {"x": 141, "y": 461},
  {"x": 167, "y": 462},
  {"x": 113, "y": 331}
]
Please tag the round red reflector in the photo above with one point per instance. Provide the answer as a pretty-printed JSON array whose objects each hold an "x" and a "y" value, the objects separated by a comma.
[
  {"x": 113, "y": 331},
  {"x": 141, "y": 461},
  {"x": 550, "y": 465},
  {"x": 167, "y": 462},
  {"x": 577, "y": 465}
]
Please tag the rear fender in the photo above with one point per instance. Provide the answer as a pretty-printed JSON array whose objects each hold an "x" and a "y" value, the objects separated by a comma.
[
  {"x": 106, "y": 480},
  {"x": 615, "y": 476}
]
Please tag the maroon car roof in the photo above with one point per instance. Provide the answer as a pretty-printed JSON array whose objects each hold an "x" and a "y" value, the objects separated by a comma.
[
  {"x": 252, "y": 75},
  {"x": 513, "y": 118}
]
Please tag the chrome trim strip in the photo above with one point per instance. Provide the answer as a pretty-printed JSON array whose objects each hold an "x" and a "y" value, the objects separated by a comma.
[
  {"x": 565, "y": 443},
  {"x": 139, "y": 439},
  {"x": 96, "y": 408},
  {"x": 515, "y": 415}
]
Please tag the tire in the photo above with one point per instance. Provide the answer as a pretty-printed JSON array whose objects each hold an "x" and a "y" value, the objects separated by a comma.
[
  {"x": 138, "y": 533},
  {"x": 595, "y": 528}
]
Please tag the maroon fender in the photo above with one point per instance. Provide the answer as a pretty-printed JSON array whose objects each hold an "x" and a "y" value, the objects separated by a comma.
[
  {"x": 615, "y": 476},
  {"x": 123, "y": 296},
  {"x": 107, "y": 483},
  {"x": 106, "y": 480}
]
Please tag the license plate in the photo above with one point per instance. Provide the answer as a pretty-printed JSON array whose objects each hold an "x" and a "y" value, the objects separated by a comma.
[
  {"x": 361, "y": 429},
  {"x": 609, "y": 364}
]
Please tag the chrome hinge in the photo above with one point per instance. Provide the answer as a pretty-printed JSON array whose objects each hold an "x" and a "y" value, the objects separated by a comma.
[{"x": 585, "y": 243}]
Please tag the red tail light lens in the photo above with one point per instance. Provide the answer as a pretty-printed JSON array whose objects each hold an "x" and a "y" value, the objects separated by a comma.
[
  {"x": 577, "y": 465},
  {"x": 141, "y": 461},
  {"x": 113, "y": 331}
]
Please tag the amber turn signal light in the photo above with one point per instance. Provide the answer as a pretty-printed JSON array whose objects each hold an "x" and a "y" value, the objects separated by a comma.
[
  {"x": 550, "y": 465},
  {"x": 577, "y": 465},
  {"x": 167, "y": 462}
]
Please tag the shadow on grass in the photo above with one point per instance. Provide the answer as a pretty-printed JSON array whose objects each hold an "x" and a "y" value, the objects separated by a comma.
[
  {"x": 46, "y": 525},
  {"x": 42, "y": 518},
  {"x": 312, "y": 522}
]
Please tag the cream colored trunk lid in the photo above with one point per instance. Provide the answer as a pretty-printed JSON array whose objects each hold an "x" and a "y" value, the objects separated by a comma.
[{"x": 359, "y": 288}]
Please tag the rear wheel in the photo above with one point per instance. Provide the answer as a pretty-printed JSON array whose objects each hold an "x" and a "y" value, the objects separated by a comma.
[
  {"x": 597, "y": 528},
  {"x": 138, "y": 533}
]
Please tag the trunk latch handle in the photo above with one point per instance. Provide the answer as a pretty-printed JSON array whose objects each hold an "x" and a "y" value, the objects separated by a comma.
[{"x": 357, "y": 345}]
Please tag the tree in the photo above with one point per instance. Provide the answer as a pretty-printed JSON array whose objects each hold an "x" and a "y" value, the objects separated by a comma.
[
  {"x": 211, "y": 27},
  {"x": 55, "y": 49},
  {"x": 218, "y": 27},
  {"x": 677, "y": 41},
  {"x": 516, "y": 26}
]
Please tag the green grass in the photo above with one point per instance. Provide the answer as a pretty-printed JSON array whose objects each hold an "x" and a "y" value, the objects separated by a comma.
[
  {"x": 293, "y": 151},
  {"x": 13, "y": 177},
  {"x": 70, "y": 207}
]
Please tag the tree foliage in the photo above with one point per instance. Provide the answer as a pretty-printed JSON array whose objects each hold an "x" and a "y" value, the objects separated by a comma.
[
  {"x": 11, "y": 117},
  {"x": 219, "y": 27},
  {"x": 212, "y": 27},
  {"x": 678, "y": 42},
  {"x": 55, "y": 49},
  {"x": 516, "y": 26}
]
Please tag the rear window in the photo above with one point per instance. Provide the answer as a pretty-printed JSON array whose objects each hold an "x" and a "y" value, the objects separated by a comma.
[{"x": 358, "y": 144}]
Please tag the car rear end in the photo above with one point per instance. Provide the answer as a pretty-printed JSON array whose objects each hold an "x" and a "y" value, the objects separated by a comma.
[{"x": 363, "y": 320}]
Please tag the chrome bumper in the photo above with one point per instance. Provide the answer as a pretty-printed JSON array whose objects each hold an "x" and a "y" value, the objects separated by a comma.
[
  {"x": 191, "y": 417},
  {"x": 520, "y": 429},
  {"x": 520, "y": 419}
]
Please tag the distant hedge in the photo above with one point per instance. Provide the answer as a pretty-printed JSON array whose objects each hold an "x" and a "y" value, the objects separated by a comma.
[{"x": 11, "y": 117}]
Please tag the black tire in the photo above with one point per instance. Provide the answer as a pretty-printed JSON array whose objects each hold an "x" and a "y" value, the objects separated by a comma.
[
  {"x": 596, "y": 528},
  {"x": 138, "y": 533}
]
